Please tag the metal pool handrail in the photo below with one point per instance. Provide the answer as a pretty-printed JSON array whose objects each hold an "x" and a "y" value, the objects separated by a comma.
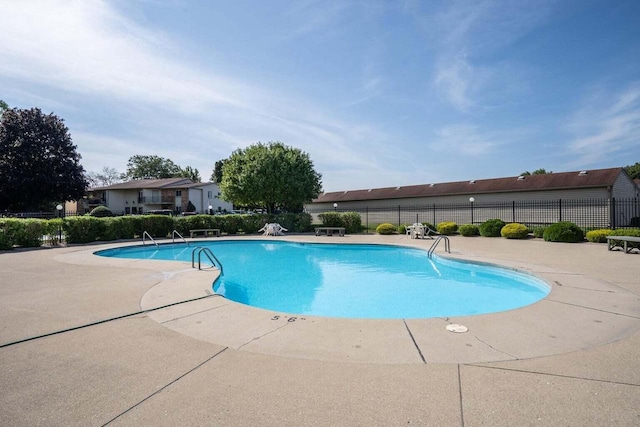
[
  {"x": 447, "y": 246},
  {"x": 173, "y": 237},
  {"x": 200, "y": 250},
  {"x": 144, "y": 235}
]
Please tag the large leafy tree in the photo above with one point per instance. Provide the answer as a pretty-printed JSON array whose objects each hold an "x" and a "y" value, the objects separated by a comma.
[
  {"x": 154, "y": 167},
  {"x": 216, "y": 176},
  {"x": 39, "y": 165},
  {"x": 633, "y": 170},
  {"x": 540, "y": 171},
  {"x": 191, "y": 173},
  {"x": 272, "y": 176}
]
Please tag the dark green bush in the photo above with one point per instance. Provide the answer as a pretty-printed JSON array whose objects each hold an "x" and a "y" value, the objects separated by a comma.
[
  {"x": 468, "y": 230},
  {"x": 402, "y": 229},
  {"x": 101, "y": 211},
  {"x": 231, "y": 223},
  {"x": 53, "y": 229},
  {"x": 251, "y": 223},
  {"x": 5, "y": 242},
  {"x": 491, "y": 228},
  {"x": 83, "y": 229},
  {"x": 386, "y": 228},
  {"x": 157, "y": 225},
  {"x": 563, "y": 231},
  {"x": 538, "y": 231},
  {"x": 447, "y": 227},
  {"x": 514, "y": 231},
  {"x": 330, "y": 219},
  {"x": 351, "y": 221},
  {"x": 293, "y": 222}
]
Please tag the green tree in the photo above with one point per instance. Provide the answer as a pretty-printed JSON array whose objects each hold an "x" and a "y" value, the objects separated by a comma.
[
  {"x": 39, "y": 165},
  {"x": 633, "y": 170},
  {"x": 273, "y": 176},
  {"x": 535, "y": 172},
  {"x": 153, "y": 167},
  {"x": 191, "y": 173},
  {"x": 3, "y": 107},
  {"x": 216, "y": 176}
]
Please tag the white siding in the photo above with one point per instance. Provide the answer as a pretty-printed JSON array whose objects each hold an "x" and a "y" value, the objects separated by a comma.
[{"x": 624, "y": 188}]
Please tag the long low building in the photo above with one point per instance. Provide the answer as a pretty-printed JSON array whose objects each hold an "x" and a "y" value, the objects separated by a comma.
[{"x": 598, "y": 184}]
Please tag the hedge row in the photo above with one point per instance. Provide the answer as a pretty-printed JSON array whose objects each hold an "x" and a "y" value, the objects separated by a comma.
[
  {"x": 86, "y": 229},
  {"x": 351, "y": 221}
]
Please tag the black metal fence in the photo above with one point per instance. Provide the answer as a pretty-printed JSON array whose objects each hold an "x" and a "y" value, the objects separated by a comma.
[{"x": 586, "y": 213}]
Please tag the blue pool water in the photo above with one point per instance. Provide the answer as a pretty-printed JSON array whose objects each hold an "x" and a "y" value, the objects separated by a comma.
[{"x": 353, "y": 281}]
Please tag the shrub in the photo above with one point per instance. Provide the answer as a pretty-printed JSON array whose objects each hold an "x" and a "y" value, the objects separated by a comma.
[
  {"x": 101, "y": 211},
  {"x": 330, "y": 219},
  {"x": 514, "y": 231},
  {"x": 538, "y": 232},
  {"x": 468, "y": 230},
  {"x": 491, "y": 228},
  {"x": 5, "y": 243},
  {"x": 598, "y": 236},
  {"x": 53, "y": 229},
  {"x": 351, "y": 221},
  {"x": 82, "y": 229},
  {"x": 402, "y": 229},
  {"x": 251, "y": 223},
  {"x": 634, "y": 232},
  {"x": 447, "y": 228},
  {"x": 231, "y": 223},
  {"x": 563, "y": 231},
  {"x": 386, "y": 228},
  {"x": 157, "y": 225}
]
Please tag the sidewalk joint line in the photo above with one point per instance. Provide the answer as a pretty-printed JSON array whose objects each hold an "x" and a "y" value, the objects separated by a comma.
[
  {"x": 460, "y": 394},
  {"x": 414, "y": 341},
  {"x": 571, "y": 377},
  {"x": 263, "y": 335},
  {"x": 164, "y": 387},
  {"x": 594, "y": 309},
  {"x": 99, "y": 322}
]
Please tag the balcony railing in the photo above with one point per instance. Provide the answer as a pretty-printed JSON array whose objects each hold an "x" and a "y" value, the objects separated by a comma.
[{"x": 155, "y": 200}]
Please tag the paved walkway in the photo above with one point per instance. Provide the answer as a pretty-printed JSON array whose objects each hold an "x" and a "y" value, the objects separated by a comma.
[{"x": 86, "y": 340}]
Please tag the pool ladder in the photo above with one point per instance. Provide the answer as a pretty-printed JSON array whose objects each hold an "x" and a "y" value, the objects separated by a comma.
[
  {"x": 145, "y": 235},
  {"x": 175, "y": 233},
  {"x": 198, "y": 251},
  {"x": 447, "y": 245}
]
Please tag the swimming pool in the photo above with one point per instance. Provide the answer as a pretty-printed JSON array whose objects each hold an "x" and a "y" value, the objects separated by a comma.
[{"x": 354, "y": 280}]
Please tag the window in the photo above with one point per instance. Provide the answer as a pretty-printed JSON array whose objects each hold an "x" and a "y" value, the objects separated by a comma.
[
  {"x": 210, "y": 194},
  {"x": 178, "y": 193}
]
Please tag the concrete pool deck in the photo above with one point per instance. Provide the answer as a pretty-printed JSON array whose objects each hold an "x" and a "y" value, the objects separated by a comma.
[{"x": 87, "y": 340}]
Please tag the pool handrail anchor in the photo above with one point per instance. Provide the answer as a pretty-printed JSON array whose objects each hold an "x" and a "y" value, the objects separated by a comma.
[
  {"x": 173, "y": 237},
  {"x": 447, "y": 245},
  {"x": 145, "y": 235},
  {"x": 212, "y": 258}
]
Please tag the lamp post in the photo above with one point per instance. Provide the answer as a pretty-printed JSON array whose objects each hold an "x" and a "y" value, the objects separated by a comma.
[
  {"x": 210, "y": 209},
  {"x": 335, "y": 207},
  {"x": 471, "y": 200},
  {"x": 59, "y": 209}
]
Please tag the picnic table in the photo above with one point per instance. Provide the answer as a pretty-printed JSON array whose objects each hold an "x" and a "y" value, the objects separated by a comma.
[
  {"x": 330, "y": 230},
  {"x": 205, "y": 231},
  {"x": 626, "y": 243}
]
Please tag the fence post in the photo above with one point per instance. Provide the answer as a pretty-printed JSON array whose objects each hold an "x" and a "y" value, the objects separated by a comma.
[
  {"x": 366, "y": 214},
  {"x": 560, "y": 209},
  {"x": 398, "y": 215},
  {"x": 513, "y": 211},
  {"x": 434, "y": 215},
  {"x": 612, "y": 213}
]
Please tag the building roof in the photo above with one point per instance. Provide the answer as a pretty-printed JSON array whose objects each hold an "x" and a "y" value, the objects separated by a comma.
[
  {"x": 156, "y": 184},
  {"x": 550, "y": 181}
]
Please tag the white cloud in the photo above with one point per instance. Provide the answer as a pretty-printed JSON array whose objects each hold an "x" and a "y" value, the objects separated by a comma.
[
  {"x": 607, "y": 124},
  {"x": 466, "y": 140}
]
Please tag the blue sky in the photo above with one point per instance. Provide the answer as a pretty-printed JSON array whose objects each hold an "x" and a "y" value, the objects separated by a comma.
[{"x": 379, "y": 93}]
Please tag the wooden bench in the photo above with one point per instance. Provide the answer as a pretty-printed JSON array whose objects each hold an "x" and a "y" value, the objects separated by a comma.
[
  {"x": 330, "y": 230},
  {"x": 206, "y": 232},
  {"x": 626, "y": 243}
]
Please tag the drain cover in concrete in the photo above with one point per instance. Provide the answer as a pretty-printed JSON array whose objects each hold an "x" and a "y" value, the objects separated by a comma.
[{"x": 454, "y": 327}]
